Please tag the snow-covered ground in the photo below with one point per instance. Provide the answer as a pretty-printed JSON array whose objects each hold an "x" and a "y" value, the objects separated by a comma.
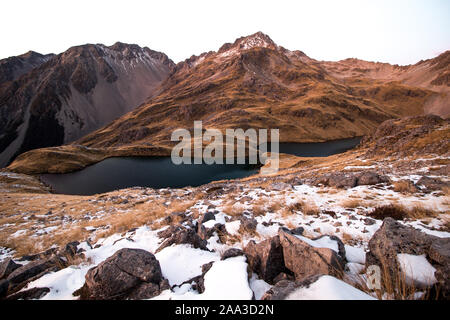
[{"x": 228, "y": 279}]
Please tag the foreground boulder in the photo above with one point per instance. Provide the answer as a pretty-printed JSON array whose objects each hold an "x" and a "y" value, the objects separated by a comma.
[
  {"x": 128, "y": 274},
  {"x": 393, "y": 238},
  {"x": 266, "y": 258},
  {"x": 305, "y": 260}
]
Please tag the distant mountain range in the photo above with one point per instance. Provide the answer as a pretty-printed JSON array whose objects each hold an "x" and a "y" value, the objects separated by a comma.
[
  {"x": 253, "y": 82},
  {"x": 140, "y": 96}
]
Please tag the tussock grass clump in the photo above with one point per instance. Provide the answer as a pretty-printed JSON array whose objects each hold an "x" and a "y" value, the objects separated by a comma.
[
  {"x": 392, "y": 211},
  {"x": 297, "y": 206},
  {"x": 404, "y": 186},
  {"x": 310, "y": 209},
  {"x": 232, "y": 208},
  {"x": 399, "y": 212},
  {"x": 351, "y": 203}
]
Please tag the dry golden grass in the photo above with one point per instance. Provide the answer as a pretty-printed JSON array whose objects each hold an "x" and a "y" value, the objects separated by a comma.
[
  {"x": 310, "y": 208},
  {"x": 258, "y": 210},
  {"x": 446, "y": 191},
  {"x": 274, "y": 206},
  {"x": 259, "y": 206},
  {"x": 232, "y": 209},
  {"x": 346, "y": 238},
  {"x": 107, "y": 214},
  {"x": 296, "y": 206},
  {"x": 352, "y": 203},
  {"x": 404, "y": 186},
  {"x": 291, "y": 225}
]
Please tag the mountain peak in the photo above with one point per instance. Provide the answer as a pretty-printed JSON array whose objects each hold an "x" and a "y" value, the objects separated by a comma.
[{"x": 258, "y": 39}]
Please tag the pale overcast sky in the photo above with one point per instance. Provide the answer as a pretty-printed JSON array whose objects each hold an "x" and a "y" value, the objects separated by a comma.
[{"x": 395, "y": 31}]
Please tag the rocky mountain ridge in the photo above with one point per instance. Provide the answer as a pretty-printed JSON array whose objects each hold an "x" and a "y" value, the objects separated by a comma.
[{"x": 74, "y": 93}]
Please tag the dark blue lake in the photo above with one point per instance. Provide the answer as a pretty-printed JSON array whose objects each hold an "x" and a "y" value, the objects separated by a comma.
[{"x": 159, "y": 172}]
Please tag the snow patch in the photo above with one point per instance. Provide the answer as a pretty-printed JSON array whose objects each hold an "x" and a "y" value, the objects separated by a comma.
[
  {"x": 182, "y": 262},
  {"x": 329, "y": 288},
  {"x": 417, "y": 269}
]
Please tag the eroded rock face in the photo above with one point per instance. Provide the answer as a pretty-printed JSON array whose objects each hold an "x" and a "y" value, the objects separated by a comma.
[
  {"x": 129, "y": 273},
  {"x": 393, "y": 238},
  {"x": 304, "y": 260},
  {"x": 266, "y": 258},
  {"x": 400, "y": 137}
]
